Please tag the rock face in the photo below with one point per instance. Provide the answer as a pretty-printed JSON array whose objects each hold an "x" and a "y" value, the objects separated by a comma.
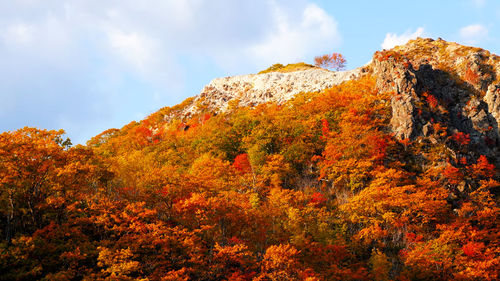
[
  {"x": 492, "y": 99},
  {"x": 393, "y": 76},
  {"x": 440, "y": 83},
  {"x": 254, "y": 89}
]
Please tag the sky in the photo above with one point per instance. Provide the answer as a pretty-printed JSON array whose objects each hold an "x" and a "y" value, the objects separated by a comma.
[{"x": 87, "y": 66}]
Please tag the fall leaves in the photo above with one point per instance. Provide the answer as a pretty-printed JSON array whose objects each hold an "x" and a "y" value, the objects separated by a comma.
[
  {"x": 313, "y": 189},
  {"x": 333, "y": 61}
]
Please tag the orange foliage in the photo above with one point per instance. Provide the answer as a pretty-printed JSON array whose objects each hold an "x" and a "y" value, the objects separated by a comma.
[
  {"x": 334, "y": 61},
  {"x": 483, "y": 167},
  {"x": 471, "y": 76},
  {"x": 313, "y": 189}
]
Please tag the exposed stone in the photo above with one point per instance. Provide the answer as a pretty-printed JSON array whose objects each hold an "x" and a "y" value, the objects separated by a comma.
[
  {"x": 254, "y": 89},
  {"x": 427, "y": 129},
  {"x": 492, "y": 99},
  {"x": 461, "y": 186},
  {"x": 393, "y": 76},
  {"x": 446, "y": 83}
]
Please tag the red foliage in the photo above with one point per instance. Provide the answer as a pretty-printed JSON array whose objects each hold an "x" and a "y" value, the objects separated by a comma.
[
  {"x": 75, "y": 212},
  {"x": 472, "y": 249},
  {"x": 380, "y": 147},
  {"x": 386, "y": 55},
  {"x": 325, "y": 128},
  {"x": 318, "y": 199},
  {"x": 471, "y": 76},
  {"x": 412, "y": 237},
  {"x": 463, "y": 160},
  {"x": 235, "y": 240},
  {"x": 144, "y": 132},
  {"x": 405, "y": 142},
  {"x": 242, "y": 164},
  {"x": 432, "y": 101},
  {"x": 127, "y": 191},
  {"x": 461, "y": 138},
  {"x": 205, "y": 118},
  {"x": 453, "y": 174}
]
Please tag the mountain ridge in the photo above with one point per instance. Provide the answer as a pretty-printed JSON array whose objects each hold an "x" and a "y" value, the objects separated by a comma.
[{"x": 462, "y": 83}]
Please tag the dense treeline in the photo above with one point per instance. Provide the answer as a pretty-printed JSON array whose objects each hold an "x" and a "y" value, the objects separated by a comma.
[{"x": 313, "y": 189}]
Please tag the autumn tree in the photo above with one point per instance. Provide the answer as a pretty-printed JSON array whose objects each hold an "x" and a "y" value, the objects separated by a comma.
[
  {"x": 334, "y": 61},
  {"x": 30, "y": 159},
  {"x": 281, "y": 263}
]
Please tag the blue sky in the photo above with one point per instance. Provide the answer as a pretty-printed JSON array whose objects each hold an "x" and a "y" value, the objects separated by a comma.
[{"x": 86, "y": 66}]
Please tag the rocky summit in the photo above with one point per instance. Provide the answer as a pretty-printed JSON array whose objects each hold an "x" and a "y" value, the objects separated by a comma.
[
  {"x": 431, "y": 81},
  {"x": 438, "y": 81}
]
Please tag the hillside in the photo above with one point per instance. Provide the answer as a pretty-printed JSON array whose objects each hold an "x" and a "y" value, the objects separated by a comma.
[{"x": 386, "y": 172}]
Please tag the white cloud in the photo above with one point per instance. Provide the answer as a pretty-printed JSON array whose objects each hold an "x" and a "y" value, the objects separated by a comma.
[
  {"x": 19, "y": 34},
  {"x": 391, "y": 39},
  {"x": 474, "y": 33},
  {"x": 292, "y": 40},
  {"x": 48, "y": 38},
  {"x": 93, "y": 62},
  {"x": 137, "y": 51},
  {"x": 148, "y": 36},
  {"x": 145, "y": 56}
]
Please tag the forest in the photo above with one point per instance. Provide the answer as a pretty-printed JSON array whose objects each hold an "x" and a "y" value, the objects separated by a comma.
[{"x": 317, "y": 188}]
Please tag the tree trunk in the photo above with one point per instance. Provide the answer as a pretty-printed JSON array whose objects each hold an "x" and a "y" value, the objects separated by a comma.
[{"x": 9, "y": 231}]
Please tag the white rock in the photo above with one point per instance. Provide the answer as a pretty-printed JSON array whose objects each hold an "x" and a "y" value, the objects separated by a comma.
[{"x": 254, "y": 89}]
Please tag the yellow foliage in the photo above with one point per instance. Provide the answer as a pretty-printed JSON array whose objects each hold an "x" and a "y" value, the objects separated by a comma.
[
  {"x": 117, "y": 264},
  {"x": 380, "y": 265},
  {"x": 278, "y": 67}
]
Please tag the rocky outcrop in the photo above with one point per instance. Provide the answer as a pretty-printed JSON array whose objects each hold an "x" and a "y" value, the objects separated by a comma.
[
  {"x": 399, "y": 78},
  {"x": 254, "y": 89},
  {"x": 492, "y": 99},
  {"x": 437, "y": 84}
]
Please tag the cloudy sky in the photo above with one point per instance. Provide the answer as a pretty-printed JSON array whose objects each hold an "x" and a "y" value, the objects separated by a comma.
[{"x": 89, "y": 65}]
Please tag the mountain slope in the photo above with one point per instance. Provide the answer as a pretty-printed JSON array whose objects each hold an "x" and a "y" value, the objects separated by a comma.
[{"x": 386, "y": 172}]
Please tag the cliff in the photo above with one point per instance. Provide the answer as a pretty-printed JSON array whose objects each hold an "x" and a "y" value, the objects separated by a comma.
[{"x": 438, "y": 82}]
